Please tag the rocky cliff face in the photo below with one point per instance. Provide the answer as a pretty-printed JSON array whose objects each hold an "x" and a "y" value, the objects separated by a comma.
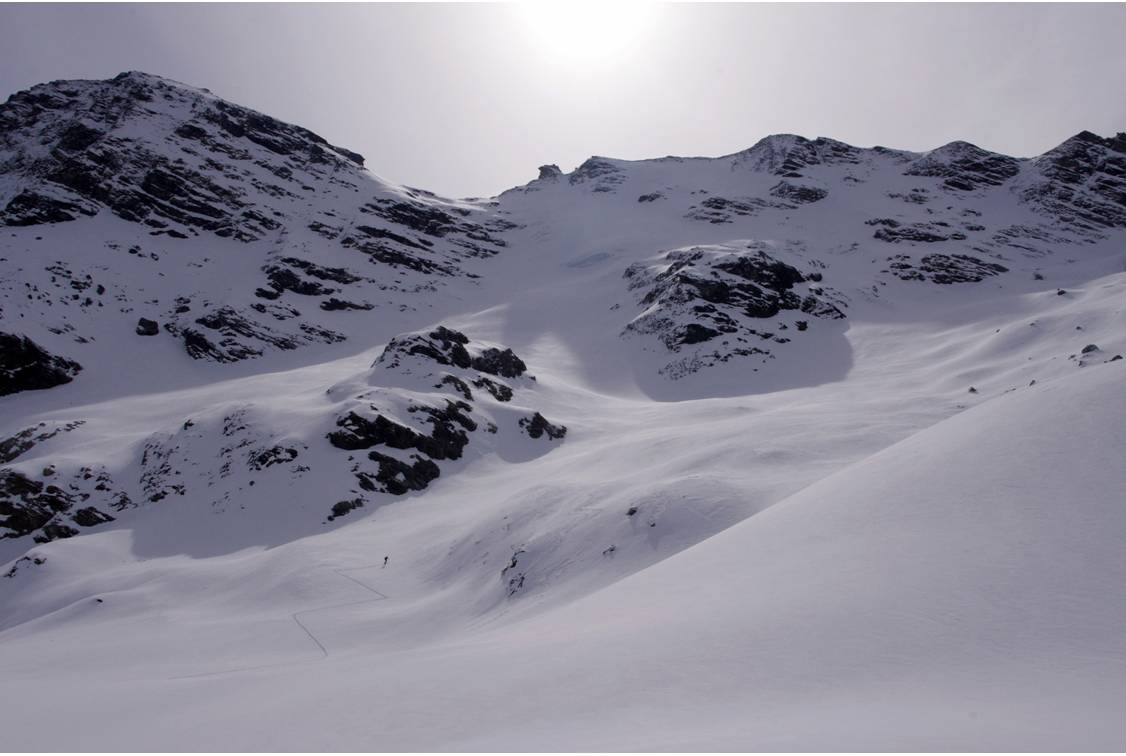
[{"x": 178, "y": 165}]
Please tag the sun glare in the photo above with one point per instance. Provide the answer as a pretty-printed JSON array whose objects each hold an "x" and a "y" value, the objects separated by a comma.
[{"x": 586, "y": 31}]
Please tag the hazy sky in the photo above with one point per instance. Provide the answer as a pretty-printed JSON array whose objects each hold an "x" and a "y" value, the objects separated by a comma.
[{"x": 469, "y": 99}]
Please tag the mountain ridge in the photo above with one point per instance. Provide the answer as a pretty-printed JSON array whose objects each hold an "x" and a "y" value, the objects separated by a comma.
[{"x": 235, "y": 365}]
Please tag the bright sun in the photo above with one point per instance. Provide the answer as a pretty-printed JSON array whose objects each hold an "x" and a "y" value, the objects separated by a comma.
[{"x": 586, "y": 31}]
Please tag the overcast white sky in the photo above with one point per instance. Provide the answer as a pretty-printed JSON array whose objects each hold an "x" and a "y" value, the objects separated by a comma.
[{"x": 469, "y": 99}]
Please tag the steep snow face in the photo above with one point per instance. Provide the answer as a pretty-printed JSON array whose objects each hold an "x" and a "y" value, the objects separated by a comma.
[
  {"x": 239, "y": 371},
  {"x": 229, "y": 231}
]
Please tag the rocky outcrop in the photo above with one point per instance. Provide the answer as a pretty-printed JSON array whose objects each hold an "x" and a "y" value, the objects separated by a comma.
[
  {"x": 537, "y": 426},
  {"x": 146, "y": 327},
  {"x": 47, "y": 511},
  {"x": 943, "y": 269},
  {"x": 965, "y": 167},
  {"x": 599, "y": 174},
  {"x": 229, "y": 335},
  {"x": 788, "y": 155},
  {"x": 408, "y": 422},
  {"x": 1082, "y": 183},
  {"x": 25, "y": 440},
  {"x": 926, "y": 233},
  {"x": 86, "y": 159},
  {"x": 26, "y": 366},
  {"x": 723, "y": 293},
  {"x": 801, "y": 194},
  {"x": 724, "y": 210},
  {"x": 446, "y": 440}
]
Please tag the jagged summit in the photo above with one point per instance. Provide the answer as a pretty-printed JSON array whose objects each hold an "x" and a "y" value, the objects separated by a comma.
[
  {"x": 166, "y": 164},
  {"x": 331, "y": 244}
]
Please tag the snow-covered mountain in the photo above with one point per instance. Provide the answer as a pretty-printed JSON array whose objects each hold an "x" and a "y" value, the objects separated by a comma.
[{"x": 671, "y": 453}]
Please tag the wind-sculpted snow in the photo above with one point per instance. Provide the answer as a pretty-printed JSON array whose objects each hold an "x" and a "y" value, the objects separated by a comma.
[{"x": 716, "y": 303}]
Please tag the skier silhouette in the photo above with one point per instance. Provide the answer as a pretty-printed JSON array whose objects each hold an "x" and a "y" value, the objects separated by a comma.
[{"x": 385, "y": 560}]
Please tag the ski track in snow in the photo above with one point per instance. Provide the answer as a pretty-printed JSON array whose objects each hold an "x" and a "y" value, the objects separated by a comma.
[{"x": 296, "y": 618}]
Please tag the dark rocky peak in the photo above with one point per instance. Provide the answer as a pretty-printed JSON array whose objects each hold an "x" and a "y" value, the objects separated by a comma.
[
  {"x": 788, "y": 154},
  {"x": 156, "y": 152},
  {"x": 550, "y": 172},
  {"x": 1082, "y": 183},
  {"x": 965, "y": 167},
  {"x": 601, "y": 174},
  {"x": 1083, "y": 155}
]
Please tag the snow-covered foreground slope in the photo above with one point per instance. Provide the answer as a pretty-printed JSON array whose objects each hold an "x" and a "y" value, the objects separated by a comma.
[
  {"x": 810, "y": 446},
  {"x": 961, "y": 589}
]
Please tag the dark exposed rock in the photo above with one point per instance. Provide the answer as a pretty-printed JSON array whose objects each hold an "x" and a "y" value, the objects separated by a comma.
[
  {"x": 383, "y": 233},
  {"x": 232, "y": 336},
  {"x": 600, "y": 173},
  {"x": 27, "y": 506},
  {"x": 499, "y": 391},
  {"x": 325, "y": 273},
  {"x": 77, "y": 137},
  {"x": 550, "y": 172},
  {"x": 24, "y": 561},
  {"x": 283, "y": 279},
  {"x": 944, "y": 269},
  {"x": 341, "y": 508},
  {"x": 26, "y": 366},
  {"x": 416, "y": 216},
  {"x": 333, "y": 303},
  {"x": 537, "y": 425},
  {"x": 502, "y": 362},
  {"x": 718, "y": 295},
  {"x": 965, "y": 167},
  {"x": 275, "y": 455},
  {"x": 917, "y": 232},
  {"x": 444, "y": 346},
  {"x": 13, "y": 446},
  {"x": 1082, "y": 183},
  {"x": 756, "y": 284},
  {"x": 398, "y": 478},
  {"x": 693, "y": 333},
  {"x": 722, "y": 209},
  {"x": 799, "y": 193},
  {"x": 146, "y": 327},
  {"x": 788, "y": 155},
  {"x": 446, "y": 440},
  {"x": 652, "y": 197},
  {"x": 29, "y": 208},
  {"x": 54, "y": 531},
  {"x": 93, "y": 154},
  {"x": 458, "y": 385},
  {"x": 88, "y": 517},
  {"x": 1090, "y": 348}
]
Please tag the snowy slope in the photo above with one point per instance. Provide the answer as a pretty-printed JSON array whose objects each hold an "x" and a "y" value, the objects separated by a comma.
[
  {"x": 664, "y": 454},
  {"x": 950, "y": 592}
]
